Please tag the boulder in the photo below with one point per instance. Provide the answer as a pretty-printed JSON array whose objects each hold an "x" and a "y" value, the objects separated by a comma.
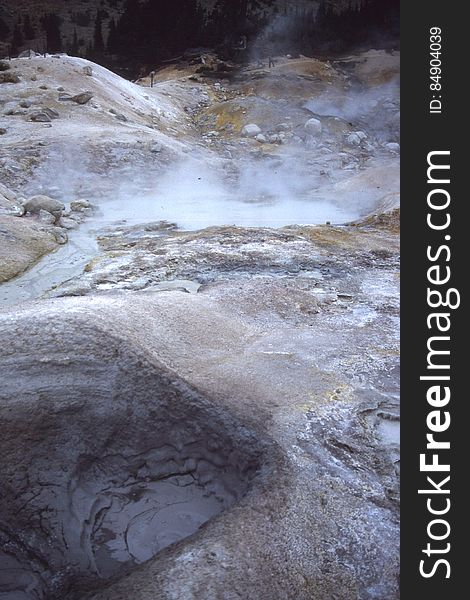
[
  {"x": 22, "y": 243},
  {"x": 37, "y": 203},
  {"x": 313, "y": 127},
  {"x": 251, "y": 130}
]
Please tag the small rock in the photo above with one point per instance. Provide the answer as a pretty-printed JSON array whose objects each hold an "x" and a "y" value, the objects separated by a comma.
[
  {"x": 88, "y": 71},
  {"x": 356, "y": 137},
  {"x": 43, "y": 87},
  {"x": 313, "y": 127},
  {"x": 60, "y": 235},
  {"x": 156, "y": 148},
  {"x": 2, "y": 131},
  {"x": 67, "y": 223},
  {"x": 37, "y": 203},
  {"x": 46, "y": 217},
  {"x": 60, "y": 89},
  {"x": 261, "y": 138},
  {"x": 25, "y": 104},
  {"x": 40, "y": 117},
  {"x": 50, "y": 112},
  {"x": 393, "y": 147},
  {"x": 80, "y": 205},
  {"x": 11, "y": 108},
  {"x": 4, "y": 66},
  {"x": 275, "y": 139},
  {"x": 34, "y": 78},
  {"x": 82, "y": 98},
  {"x": 10, "y": 207},
  {"x": 251, "y": 130},
  {"x": 9, "y": 77}
]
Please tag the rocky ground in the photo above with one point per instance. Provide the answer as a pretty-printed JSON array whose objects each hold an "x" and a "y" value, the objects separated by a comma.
[{"x": 220, "y": 368}]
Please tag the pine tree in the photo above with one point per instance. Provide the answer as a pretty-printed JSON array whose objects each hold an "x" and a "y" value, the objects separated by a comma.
[
  {"x": 29, "y": 32},
  {"x": 17, "y": 39},
  {"x": 98, "y": 43},
  {"x": 112, "y": 42},
  {"x": 51, "y": 25},
  {"x": 4, "y": 30},
  {"x": 74, "y": 46}
]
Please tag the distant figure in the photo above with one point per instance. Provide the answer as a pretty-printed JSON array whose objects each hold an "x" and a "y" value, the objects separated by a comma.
[
  {"x": 152, "y": 78},
  {"x": 271, "y": 62}
]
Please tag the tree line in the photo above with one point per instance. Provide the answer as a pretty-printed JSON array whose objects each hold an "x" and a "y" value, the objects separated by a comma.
[{"x": 149, "y": 32}]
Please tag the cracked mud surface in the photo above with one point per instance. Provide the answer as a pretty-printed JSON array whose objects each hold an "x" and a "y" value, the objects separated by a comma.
[{"x": 119, "y": 468}]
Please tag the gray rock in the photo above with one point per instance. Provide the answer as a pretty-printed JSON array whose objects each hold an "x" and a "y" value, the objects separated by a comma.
[
  {"x": 393, "y": 147},
  {"x": 60, "y": 235},
  {"x": 356, "y": 138},
  {"x": 261, "y": 138},
  {"x": 27, "y": 241},
  {"x": 4, "y": 65},
  {"x": 156, "y": 148},
  {"x": 313, "y": 127},
  {"x": 275, "y": 139},
  {"x": 80, "y": 205},
  {"x": 25, "y": 103},
  {"x": 40, "y": 116},
  {"x": 51, "y": 112},
  {"x": 46, "y": 217},
  {"x": 37, "y": 203},
  {"x": 12, "y": 108},
  {"x": 2, "y": 130},
  {"x": 251, "y": 130},
  {"x": 88, "y": 71},
  {"x": 10, "y": 207},
  {"x": 82, "y": 98},
  {"x": 67, "y": 223}
]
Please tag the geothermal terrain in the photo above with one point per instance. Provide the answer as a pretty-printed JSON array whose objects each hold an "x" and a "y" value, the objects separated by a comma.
[{"x": 199, "y": 330}]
